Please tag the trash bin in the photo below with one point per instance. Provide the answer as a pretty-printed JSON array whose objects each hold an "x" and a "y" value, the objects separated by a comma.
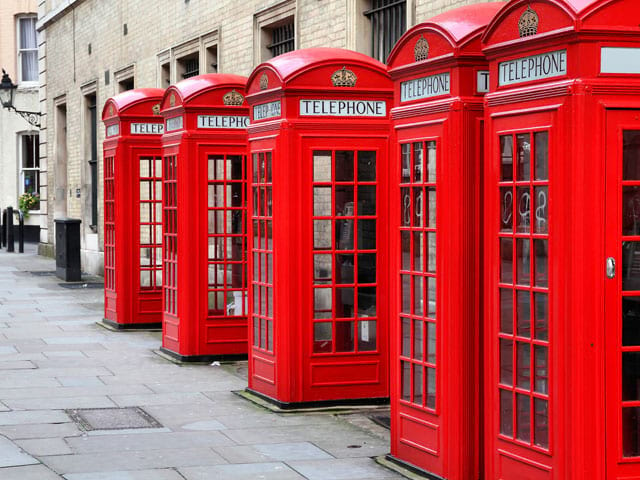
[{"x": 68, "y": 249}]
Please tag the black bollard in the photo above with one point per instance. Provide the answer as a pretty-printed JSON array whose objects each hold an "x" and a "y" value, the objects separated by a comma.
[
  {"x": 9, "y": 225},
  {"x": 3, "y": 238},
  {"x": 20, "y": 231}
]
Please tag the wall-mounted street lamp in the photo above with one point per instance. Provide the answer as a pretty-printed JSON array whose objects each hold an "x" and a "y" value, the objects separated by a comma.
[{"x": 7, "y": 96}]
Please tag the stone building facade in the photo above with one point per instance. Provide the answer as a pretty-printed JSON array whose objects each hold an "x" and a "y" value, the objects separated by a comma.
[
  {"x": 93, "y": 49},
  {"x": 19, "y": 140}
]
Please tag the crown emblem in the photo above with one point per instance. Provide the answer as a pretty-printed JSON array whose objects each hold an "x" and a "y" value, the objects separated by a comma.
[
  {"x": 264, "y": 82},
  {"x": 233, "y": 98},
  {"x": 528, "y": 23},
  {"x": 344, "y": 78},
  {"x": 172, "y": 100},
  {"x": 421, "y": 50},
  {"x": 156, "y": 109},
  {"x": 110, "y": 110}
]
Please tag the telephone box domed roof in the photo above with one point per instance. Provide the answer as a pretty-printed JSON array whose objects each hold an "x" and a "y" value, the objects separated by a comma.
[{"x": 132, "y": 102}]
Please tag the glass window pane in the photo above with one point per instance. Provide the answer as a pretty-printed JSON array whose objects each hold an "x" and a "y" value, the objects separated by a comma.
[
  {"x": 523, "y": 219},
  {"x": 541, "y": 423},
  {"x": 344, "y": 201},
  {"x": 523, "y": 168},
  {"x": 506, "y": 311},
  {"x": 506, "y": 209},
  {"x": 431, "y": 343},
  {"x": 541, "y": 262},
  {"x": 431, "y": 162},
  {"x": 268, "y": 168},
  {"x": 631, "y": 321},
  {"x": 256, "y": 330},
  {"x": 417, "y": 384},
  {"x": 523, "y": 417},
  {"x": 431, "y": 206},
  {"x": 431, "y": 252},
  {"x": 406, "y": 294},
  {"x": 418, "y": 207},
  {"x": 322, "y": 234},
  {"x": 322, "y": 303},
  {"x": 344, "y": 234},
  {"x": 405, "y": 207},
  {"x": 631, "y": 155},
  {"x": 431, "y": 388},
  {"x": 322, "y": 337},
  {"x": 418, "y": 251},
  {"x": 406, "y": 337},
  {"x": 418, "y": 162},
  {"x": 405, "y": 241},
  {"x": 344, "y": 337},
  {"x": 366, "y": 199},
  {"x": 418, "y": 296},
  {"x": 524, "y": 314},
  {"x": 506, "y": 413},
  {"x": 431, "y": 296},
  {"x": 321, "y": 269},
  {"x": 263, "y": 333},
  {"x": 344, "y": 268},
  {"x": 506, "y": 158},
  {"x": 522, "y": 261},
  {"x": 506, "y": 362},
  {"x": 366, "y": 268},
  {"x": 366, "y": 301},
  {"x": 321, "y": 201},
  {"x": 406, "y": 381},
  {"x": 367, "y": 335},
  {"x": 417, "y": 339},
  {"x": 630, "y": 266},
  {"x": 523, "y": 365},
  {"x": 630, "y": 376},
  {"x": 506, "y": 260},
  {"x": 541, "y": 316},
  {"x": 344, "y": 302},
  {"x": 631, "y": 210},
  {"x": 366, "y": 166},
  {"x": 321, "y": 166},
  {"x": 405, "y": 175},
  {"x": 630, "y": 429},
  {"x": 541, "y": 140},
  {"x": 366, "y": 234},
  {"x": 270, "y": 335},
  {"x": 541, "y": 383},
  {"x": 344, "y": 166},
  {"x": 541, "y": 201}
]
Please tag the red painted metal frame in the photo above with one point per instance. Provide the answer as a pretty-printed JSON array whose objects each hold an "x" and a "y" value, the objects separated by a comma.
[
  {"x": 284, "y": 366},
  {"x": 435, "y": 423},
  {"x": 583, "y": 368},
  {"x": 128, "y": 304},
  {"x": 192, "y": 331}
]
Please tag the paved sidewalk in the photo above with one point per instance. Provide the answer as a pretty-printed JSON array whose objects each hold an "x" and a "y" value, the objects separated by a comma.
[{"x": 54, "y": 358}]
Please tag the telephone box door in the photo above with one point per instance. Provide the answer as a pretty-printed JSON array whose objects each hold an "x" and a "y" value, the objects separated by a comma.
[
  {"x": 349, "y": 347},
  {"x": 622, "y": 308}
]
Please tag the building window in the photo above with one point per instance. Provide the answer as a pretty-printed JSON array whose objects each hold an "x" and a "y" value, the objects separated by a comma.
[
  {"x": 92, "y": 150},
  {"x": 189, "y": 66},
  {"x": 27, "y": 49},
  {"x": 282, "y": 39},
  {"x": 388, "y": 22},
  {"x": 30, "y": 165},
  {"x": 126, "y": 84},
  {"x": 211, "y": 54}
]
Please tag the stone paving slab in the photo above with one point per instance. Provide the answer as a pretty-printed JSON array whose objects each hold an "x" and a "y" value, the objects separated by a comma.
[{"x": 53, "y": 357}]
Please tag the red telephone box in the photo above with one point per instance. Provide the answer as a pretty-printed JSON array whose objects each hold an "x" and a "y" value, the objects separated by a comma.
[
  {"x": 204, "y": 150},
  {"x": 319, "y": 151},
  {"x": 132, "y": 210},
  {"x": 562, "y": 396},
  {"x": 440, "y": 77}
]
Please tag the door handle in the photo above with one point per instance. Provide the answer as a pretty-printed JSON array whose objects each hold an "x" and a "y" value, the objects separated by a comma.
[{"x": 611, "y": 267}]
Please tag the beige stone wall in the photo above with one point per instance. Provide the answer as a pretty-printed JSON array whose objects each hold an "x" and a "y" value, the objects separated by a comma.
[{"x": 154, "y": 27}]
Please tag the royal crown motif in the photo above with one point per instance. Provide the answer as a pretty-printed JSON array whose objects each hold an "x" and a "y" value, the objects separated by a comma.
[
  {"x": 264, "y": 82},
  {"x": 172, "y": 100},
  {"x": 233, "y": 98},
  {"x": 528, "y": 23},
  {"x": 111, "y": 110},
  {"x": 344, "y": 78},
  {"x": 421, "y": 50},
  {"x": 156, "y": 109}
]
